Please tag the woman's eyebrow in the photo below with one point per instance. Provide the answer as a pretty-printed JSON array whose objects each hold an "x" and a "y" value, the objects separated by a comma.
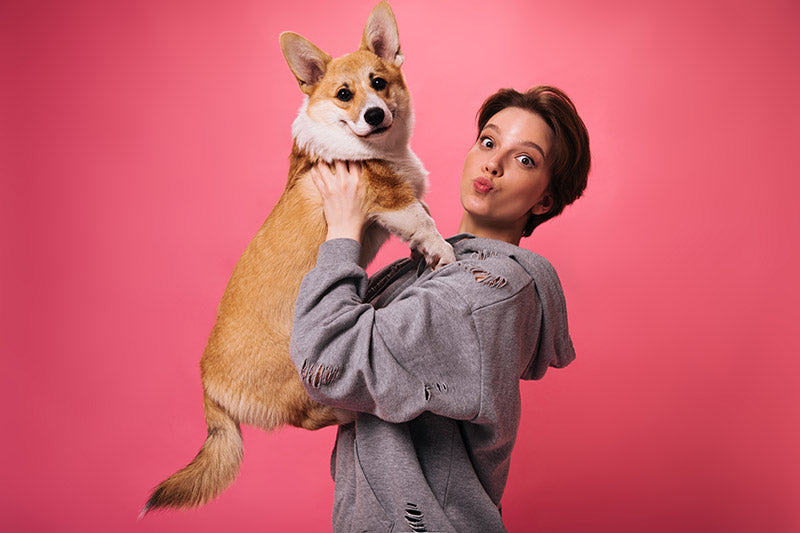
[
  {"x": 535, "y": 147},
  {"x": 532, "y": 144}
]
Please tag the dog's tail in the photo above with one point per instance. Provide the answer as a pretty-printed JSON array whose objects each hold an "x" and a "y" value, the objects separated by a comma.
[{"x": 211, "y": 471}]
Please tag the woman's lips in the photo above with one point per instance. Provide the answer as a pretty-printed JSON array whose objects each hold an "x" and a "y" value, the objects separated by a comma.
[{"x": 482, "y": 185}]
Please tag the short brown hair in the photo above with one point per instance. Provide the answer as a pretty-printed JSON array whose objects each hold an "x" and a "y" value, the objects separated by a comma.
[{"x": 569, "y": 158}]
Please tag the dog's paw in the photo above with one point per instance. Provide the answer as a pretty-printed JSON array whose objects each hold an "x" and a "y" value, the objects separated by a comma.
[{"x": 437, "y": 252}]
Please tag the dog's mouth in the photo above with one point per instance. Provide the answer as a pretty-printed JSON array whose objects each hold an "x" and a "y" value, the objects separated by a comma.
[
  {"x": 368, "y": 131},
  {"x": 377, "y": 132}
]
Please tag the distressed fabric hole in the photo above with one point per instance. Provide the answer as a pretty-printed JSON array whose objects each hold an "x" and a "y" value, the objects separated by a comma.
[
  {"x": 441, "y": 387},
  {"x": 317, "y": 375},
  {"x": 427, "y": 393},
  {"x": 414, "y": 518},
  {"x": 485, "y": 277}
]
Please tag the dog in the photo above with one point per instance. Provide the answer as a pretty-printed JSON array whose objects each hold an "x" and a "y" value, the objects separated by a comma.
[{"x": 356, "y": 108}]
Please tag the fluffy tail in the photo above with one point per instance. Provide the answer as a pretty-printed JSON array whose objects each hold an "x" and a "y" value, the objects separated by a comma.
[{"x": 211, "y": 471}]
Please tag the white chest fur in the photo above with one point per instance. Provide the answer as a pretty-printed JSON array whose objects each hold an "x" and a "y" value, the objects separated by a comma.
[{"x": 326, "y": 137}]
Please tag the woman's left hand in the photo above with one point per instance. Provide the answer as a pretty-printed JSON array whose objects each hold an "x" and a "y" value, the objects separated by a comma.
[{"x": 341, "y": 198}]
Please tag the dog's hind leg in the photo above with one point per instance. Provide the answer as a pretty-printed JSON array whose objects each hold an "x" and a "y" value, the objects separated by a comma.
[{"x": 320, "y": 416}]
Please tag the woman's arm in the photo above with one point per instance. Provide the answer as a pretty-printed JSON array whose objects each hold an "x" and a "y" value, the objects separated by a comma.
[{"x": 420, "y": 353}]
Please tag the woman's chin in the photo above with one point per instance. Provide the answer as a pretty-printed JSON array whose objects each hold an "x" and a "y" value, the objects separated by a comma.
[{"x": 476, "y": 206}]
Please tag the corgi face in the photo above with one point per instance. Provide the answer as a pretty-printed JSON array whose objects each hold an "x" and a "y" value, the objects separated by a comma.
[
  {"x": 361, "y": 93},
  {"x": 357, "y": 106}
]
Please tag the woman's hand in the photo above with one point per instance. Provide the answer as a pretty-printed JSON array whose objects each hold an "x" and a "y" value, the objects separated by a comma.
[{"x": 341, "y": 198}]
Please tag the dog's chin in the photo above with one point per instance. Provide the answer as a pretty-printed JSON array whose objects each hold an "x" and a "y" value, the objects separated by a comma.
[
  {"x": 377, "y": 133},
  {"x": 373, "y": 134}
]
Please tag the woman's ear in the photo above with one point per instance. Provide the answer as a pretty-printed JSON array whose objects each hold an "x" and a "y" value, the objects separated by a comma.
[{"x": 544, "y": 205}]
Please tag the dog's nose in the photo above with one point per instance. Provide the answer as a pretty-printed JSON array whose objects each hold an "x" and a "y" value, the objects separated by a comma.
[{"x": 374, "y": 116}]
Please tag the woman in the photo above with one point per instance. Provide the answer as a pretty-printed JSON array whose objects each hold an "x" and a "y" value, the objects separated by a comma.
[{"x": 430, "y": 361}]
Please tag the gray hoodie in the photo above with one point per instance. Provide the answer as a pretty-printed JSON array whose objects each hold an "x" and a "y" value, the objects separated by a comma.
[{"x": 431, "y": 363}]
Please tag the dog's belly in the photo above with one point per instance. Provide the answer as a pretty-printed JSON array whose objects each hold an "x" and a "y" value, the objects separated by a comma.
[{"x": 245, "y": 366}]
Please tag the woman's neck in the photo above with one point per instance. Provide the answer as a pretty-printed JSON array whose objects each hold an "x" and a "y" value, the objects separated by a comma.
[{"x": 505, "y": 233}]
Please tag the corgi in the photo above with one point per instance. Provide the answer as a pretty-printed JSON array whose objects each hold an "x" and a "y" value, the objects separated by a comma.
[{"x": 356, "y": 108}]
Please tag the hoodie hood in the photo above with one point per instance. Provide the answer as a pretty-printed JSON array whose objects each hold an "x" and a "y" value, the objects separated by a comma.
[{"x": 555, "y": 347}]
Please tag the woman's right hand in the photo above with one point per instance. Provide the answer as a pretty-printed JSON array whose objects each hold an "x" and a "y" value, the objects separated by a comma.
[{"x": 340, "y": 189}]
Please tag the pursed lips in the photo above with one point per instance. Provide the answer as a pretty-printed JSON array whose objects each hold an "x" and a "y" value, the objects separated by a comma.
[{"x": 482, "y": 185}]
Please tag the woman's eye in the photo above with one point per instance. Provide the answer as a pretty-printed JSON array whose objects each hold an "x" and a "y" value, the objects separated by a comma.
[
  {"x": 526, "y": 161},
  {"x": 344, "y": 94},
  {"x": 486, "y": 142},
  {"x": 378, "y": 84}
]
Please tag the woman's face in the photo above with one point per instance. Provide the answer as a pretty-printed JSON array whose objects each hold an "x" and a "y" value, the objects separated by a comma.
[{"x": 505, "y": 178}]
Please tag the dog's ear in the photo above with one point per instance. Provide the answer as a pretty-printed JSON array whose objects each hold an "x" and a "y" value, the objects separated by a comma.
[
  {"x": 308, "y": 63},
  {"x": 380, "y": 35}
]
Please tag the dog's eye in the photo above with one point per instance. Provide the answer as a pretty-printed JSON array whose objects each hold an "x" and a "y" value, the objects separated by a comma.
[
  {"x": 344, "y": 94},
  {"x": 378, "y": 84}
]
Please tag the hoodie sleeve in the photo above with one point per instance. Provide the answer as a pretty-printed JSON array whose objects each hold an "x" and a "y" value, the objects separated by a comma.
[
  {"x": 419, "y": 353},
  {"x": 554, "y": 348}
]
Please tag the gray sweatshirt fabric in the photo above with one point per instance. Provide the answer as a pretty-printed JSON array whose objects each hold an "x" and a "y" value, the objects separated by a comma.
[{"x": 430, "y": 362}]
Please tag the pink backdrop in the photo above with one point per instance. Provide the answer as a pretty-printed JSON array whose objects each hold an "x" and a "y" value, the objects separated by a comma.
[{"x": 143, "y": 143}]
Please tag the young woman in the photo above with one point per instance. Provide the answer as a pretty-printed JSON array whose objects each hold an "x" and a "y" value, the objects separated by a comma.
[{"x": 430, "y": 361}]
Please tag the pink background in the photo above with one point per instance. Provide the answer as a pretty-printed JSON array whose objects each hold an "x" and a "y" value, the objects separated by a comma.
[{"x": 143, "y": 143}]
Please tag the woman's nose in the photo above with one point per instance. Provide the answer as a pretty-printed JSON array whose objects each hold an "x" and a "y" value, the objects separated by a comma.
[{"x": 493, "y": 167}]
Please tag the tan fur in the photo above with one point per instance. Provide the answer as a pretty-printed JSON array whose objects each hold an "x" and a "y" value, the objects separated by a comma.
[{"x": 246, "y": 371}]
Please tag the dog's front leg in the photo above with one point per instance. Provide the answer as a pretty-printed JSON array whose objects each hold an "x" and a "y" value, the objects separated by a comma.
[{"x": 414, "y": 225}]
